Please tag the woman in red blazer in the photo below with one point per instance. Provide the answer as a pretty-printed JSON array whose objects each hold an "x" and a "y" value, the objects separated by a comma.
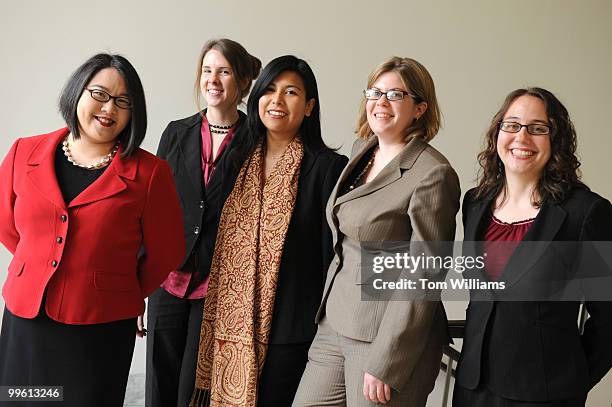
[{"x": 94, "y": 225}]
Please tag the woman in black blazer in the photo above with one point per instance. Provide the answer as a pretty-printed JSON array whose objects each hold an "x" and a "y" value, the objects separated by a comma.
[
  {"x": 273, "y": 246},
  {"x": 194, "y": 147},
  {"x": 526, "y": 349}
]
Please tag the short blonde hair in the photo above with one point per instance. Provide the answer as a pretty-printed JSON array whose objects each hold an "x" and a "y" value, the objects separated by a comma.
[{"x": 418, "y": 81}]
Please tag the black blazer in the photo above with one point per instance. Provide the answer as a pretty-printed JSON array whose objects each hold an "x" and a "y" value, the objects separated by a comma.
[
  {"x": 533, "y": 351},
  {"x": 181, "y": 146},
  {"x": 307, "y": 252}
]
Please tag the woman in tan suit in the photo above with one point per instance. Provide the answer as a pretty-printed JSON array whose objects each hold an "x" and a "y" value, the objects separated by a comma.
[{"x": 396, "y": 187}]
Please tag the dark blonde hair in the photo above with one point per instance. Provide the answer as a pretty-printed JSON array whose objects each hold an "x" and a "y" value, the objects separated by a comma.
[
  {"x": 561, "y": 173},
  {"x": 245, "y": 66},
  {"x": 418, "y": 81}
]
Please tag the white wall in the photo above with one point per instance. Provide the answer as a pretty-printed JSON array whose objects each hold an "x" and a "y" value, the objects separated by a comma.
[{"x": 477, "y": 51}]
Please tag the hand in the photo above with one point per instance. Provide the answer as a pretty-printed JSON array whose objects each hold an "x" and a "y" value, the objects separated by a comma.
[
  {"x": 375, "y": 390},
  {"x": 140, "y": 329}
]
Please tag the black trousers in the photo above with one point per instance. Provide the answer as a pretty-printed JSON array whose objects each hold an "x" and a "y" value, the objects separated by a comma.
[
  {"x": 91, "y": 362},
  {"x": 281, "y": 374},
  {"x": 173, "y": 335},
  {"x": 482, "y": 397}
]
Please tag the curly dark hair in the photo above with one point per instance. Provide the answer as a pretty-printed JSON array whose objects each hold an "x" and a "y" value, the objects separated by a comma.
[{"x": 561, "y": 173}]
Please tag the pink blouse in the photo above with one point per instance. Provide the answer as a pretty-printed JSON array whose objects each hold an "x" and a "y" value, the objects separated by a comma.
[{"x": 178, "y": 282}]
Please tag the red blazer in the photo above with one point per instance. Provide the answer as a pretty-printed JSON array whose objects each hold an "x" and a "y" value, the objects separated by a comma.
[{"x": 87, "y": 255}]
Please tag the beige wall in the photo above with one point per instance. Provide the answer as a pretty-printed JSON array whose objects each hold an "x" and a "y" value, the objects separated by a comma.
[{"x": 477, "y": 51}]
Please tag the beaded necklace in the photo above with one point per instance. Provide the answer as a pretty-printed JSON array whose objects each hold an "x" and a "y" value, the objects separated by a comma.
[
  {"x": 219, "y": 129},
  {"x": 364, "y": 171},
  {"x": 95, "y": 165}
]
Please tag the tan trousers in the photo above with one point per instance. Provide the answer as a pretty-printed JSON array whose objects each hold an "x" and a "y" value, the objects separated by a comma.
[{"x": 334, "y": 374}]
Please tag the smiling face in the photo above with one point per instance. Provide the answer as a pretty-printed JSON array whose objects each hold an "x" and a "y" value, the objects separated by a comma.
[
  {"x": 283, "y": 105},
  {"x": 387, "y": 119},
  {"x": 217, "y": 83},
  {"x": 523, "y": 154},
  {"x": 102, "y": 122}
]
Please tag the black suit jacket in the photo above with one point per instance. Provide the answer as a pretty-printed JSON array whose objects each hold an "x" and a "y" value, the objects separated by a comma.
[
  {"x": 181, "y": 146},
  {"x": 307, "y": 252},
  {"x": 532, "y": 350}
]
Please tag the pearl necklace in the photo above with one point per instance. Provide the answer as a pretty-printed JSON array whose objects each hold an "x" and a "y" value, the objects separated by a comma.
[{"x": 102, "y": 162}]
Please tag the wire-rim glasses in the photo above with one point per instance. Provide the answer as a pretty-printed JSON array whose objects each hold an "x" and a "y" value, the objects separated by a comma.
[{"x": 392, "y": 95}]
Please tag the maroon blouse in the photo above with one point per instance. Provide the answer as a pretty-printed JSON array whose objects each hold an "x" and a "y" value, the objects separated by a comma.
[
  {"x": 177, "y": 282},
  {"x": 498, "y": 254}
]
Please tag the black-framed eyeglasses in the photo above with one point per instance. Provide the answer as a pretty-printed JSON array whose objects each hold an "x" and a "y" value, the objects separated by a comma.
[
  {"x": 391, "y": 95},
  {"x": 536, "y": 129},
  {"x": 121, "y": 102}
]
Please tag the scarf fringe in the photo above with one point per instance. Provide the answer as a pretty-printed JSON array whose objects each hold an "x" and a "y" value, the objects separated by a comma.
[{"x": 200, "y": 398}]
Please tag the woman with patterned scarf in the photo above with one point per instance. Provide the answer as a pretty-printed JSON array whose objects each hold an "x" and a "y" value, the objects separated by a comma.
[{"x": 273, "y": 246}]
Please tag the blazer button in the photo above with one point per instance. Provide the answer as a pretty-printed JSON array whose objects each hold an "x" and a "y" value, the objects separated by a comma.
[
  {"x": 196, "y": 230},
  {"x": 201, "y": 204},
  {"x": 59, "y": 239},
  {"x": 64, "y": 218},
  {"x": 54, "y": 263}
]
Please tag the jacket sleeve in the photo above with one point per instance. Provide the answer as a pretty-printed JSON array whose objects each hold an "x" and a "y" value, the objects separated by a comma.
[
  {"x": 162, "y": 229},
  {"x": 8, "y": 232},
  {"x": 405, "y": 327},
  {"x": 597, "y": 336}
]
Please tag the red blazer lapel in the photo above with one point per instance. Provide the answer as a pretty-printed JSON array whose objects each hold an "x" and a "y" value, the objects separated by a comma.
[
  {"x": 41, "y": 167},
  {"x": 110, "y": 183},
  {"x": 41, "y": 172}
]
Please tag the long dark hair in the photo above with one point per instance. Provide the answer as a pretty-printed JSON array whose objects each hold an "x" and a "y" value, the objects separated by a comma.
[
  {"x": 131, "y": 137},
  {"x": 561, "y": 173},
  {"x": 255, "y": 131}
]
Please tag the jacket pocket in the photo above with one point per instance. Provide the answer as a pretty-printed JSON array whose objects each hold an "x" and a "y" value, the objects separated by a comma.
[
  {"x": 115, "y": 281},
  {"x": 16, "y": 267}
]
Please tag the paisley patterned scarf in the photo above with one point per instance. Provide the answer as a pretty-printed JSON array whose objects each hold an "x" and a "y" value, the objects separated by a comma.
[{"x": 240, "y": 300}]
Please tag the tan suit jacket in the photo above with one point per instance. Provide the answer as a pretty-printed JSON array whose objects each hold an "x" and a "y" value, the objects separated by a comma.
[{"x": 414, "y": 198}]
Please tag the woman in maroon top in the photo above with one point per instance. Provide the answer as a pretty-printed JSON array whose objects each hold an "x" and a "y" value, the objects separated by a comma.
[
  {"x": 528, "y": 353},
  {"x": 194, "y": 147}
]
